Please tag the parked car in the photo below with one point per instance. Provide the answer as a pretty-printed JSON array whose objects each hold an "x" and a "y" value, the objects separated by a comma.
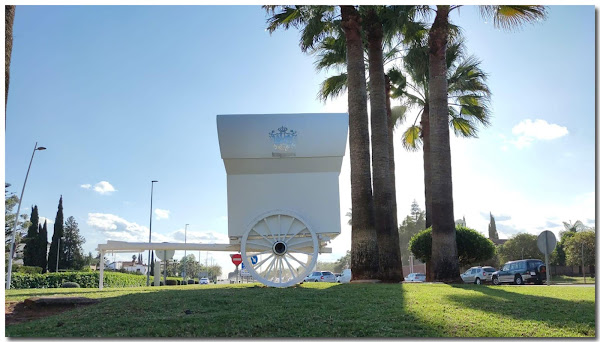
[
  {"x": 345, "y": 276},
  {"x": 324, "y": 276},
  {"x": 478, "y": 274},
  {"x": 203, "y": 281},
  {"x": 520, "y": 272},
  {"x": 415, "y": 277}
]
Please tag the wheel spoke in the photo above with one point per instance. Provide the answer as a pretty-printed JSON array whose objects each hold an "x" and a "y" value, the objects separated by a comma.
[
  {"x": 279, "y": 226},
  {"x": 290, "y": 267},
  {"x": 269, "y": 228},
  {"x": 269, "y": 268},
  {"x": 259, "y": 264},
  {"x": 293, "y": 236},
  {"x": 280, "y": 269},
  {"x": 290, "y": 227},
  {"x": 298, "y": 261},
  {"x": 256, "y": 243},
  {"x": 264, "y": 237}
]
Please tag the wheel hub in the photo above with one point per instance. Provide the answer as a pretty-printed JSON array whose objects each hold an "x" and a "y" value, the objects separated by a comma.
[{"x": 279, "y": 248}]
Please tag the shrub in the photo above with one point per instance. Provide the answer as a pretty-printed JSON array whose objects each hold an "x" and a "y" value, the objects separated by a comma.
[
  {"x": 84, "y": 279},
  {"x": 70, "y": 284},
  {"x": 190, "y": 281},
  {"x": 472, "y": 246},
  {"x": 27, "y": 269},
  {"x": 171, "y": 282}
]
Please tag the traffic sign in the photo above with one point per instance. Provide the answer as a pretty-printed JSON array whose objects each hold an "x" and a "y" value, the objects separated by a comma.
[
  {"x": 254, "y": 259},
  {"x": 236, "y": 259},
  {"x": 243, "y": 266},
  {"x": 162, "y": 255},
  {"x": 546, "y": 242},
  {"x": 244, "y": 273}
]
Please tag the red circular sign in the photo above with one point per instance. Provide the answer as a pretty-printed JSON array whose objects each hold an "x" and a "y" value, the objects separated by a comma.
[{"x": 236, "y": 259}]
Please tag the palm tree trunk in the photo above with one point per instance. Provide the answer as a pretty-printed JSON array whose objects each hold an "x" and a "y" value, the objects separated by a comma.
[
  {"x": 9, "y": 19},
  {"x": 443, "y": 250},
  {"x": 390, "y": 265},
  {"x": 364, "y": 255},
  {"x": 390, "y": 123},
  {"x": 426, "y": 162}
]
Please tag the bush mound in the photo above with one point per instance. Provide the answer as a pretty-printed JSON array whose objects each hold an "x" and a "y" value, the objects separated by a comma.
[
  {"x": 84, "y": 279},
  {"x": 171, "y": 282},
  {"x": 70, "y": 284},
  {"x": 190, "y": 281}
]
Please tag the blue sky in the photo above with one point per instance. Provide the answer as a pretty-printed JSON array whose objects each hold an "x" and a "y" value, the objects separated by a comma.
[{"x": 124, "y": 95}]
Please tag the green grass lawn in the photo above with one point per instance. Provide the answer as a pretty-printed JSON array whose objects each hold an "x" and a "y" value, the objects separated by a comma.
[{"x": 320, "y": 310}]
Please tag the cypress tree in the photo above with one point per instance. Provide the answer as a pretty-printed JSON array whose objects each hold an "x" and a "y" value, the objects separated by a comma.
[
  {"x": 58, "y": 233},
  {"x": 43, "y": 247},
  {"x": 493, "y": 233},
  {"x": 29, "y": 252},
  {"x": 151, "y": 270}
]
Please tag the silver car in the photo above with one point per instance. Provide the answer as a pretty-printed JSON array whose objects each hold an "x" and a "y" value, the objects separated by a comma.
[
  {"x": 324, "y": 276},
  {"x": 478, "y": 275}
]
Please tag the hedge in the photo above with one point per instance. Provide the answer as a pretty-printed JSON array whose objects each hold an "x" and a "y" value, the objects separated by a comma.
[{"x": 84, "y": 279}]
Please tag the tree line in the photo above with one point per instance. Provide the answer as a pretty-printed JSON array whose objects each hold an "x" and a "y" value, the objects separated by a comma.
[
  {"x": 65, "y": 246},
  {"x": 357, "y": 39}
]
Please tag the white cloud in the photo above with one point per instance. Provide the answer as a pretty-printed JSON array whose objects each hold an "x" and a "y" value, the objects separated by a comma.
[
  {"x": 161, "y": 213},
  {"x": 104, "y": 187},
  {"x": 86, "y": 186},
  {"x": 528, "y": 131},
  {"x": 42, "y": 219},
  {"x": 115, "y": 227}
]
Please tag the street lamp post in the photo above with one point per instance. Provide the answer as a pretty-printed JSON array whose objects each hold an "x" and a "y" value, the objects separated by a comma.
[
  {"x": 184, "y": 273},
  {"x": 14, "y": 232},
  {"x": 58, "y": 252},
  {"x": 150, "y": 234}
]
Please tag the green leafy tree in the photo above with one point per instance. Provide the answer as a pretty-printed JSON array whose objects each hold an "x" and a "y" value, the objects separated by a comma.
[
  {"x": 10, "y": 201},
  {"x": 73, "y": 245},
  {"x": 492, "y": 231},
  {"x": 56, "y": 236},
  {"x": 190, "y": 265},
  {"x": 520, "y": 246},
  {"x": 9, "y": 19},
  {"x": 573, "y": 246},
  {"x": 343, "y": 263},
  {"x": 31, "y": 240},
  {"x": 473, "y": 247}
]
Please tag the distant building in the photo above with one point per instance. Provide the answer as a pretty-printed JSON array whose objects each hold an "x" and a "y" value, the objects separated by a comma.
[
  {"x": 128, "y": 266},
  {"x": 498, "y": 242}
]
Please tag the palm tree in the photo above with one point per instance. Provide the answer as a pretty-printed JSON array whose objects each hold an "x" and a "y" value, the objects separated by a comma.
[
  {"x": 9, "y": 19},
  {"x": 316, "y": 24},
  {"x": 444, "y": 256},
  {"x": 467, "y": 91}
]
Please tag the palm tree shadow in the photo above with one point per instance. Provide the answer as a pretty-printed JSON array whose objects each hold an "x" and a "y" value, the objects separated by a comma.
[{"x": 551, "y": 311}]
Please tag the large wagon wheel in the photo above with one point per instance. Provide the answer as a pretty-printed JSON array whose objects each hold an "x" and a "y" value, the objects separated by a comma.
[{"x": 285, "y": 246}]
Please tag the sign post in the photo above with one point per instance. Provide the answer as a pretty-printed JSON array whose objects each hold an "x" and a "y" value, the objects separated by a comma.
[
  {"x": 546, "y": 243},
  {"x": 237, "y": 260}
]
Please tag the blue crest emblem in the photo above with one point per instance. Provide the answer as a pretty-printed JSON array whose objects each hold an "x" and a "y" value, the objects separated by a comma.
[{"x": 284, "y": 141}]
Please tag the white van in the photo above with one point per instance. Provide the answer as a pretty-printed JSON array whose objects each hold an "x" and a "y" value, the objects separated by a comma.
[{"x": 345, "y": 276}]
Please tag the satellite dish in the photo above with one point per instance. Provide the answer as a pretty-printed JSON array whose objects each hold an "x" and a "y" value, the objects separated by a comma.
[{"x": 164, "y": 255}]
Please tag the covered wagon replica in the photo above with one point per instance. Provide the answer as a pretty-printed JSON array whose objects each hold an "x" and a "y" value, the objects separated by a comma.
[{"x": 283, "y": 200}]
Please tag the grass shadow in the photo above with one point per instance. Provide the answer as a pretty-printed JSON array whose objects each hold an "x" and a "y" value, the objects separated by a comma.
[{"x": 555, "y": 312}]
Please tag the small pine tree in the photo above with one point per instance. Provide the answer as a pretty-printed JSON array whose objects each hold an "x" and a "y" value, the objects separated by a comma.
[
  {"x": 30, "y": 250},
  {"x": 73, "y": 242},
  {"x": 152, "y": 264},
  {"x": 58, "y": 234}
]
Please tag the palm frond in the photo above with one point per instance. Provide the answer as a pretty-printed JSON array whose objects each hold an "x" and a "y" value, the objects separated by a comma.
[
  {"x": 462, "y": 127},
  {"x": 333, "y": 87},
  {"x": 398, "y": 115},
  {"x": 411, "y": 138},
  {"x": 509, "y": 17},
  {"x": 398, "y": 82}
]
